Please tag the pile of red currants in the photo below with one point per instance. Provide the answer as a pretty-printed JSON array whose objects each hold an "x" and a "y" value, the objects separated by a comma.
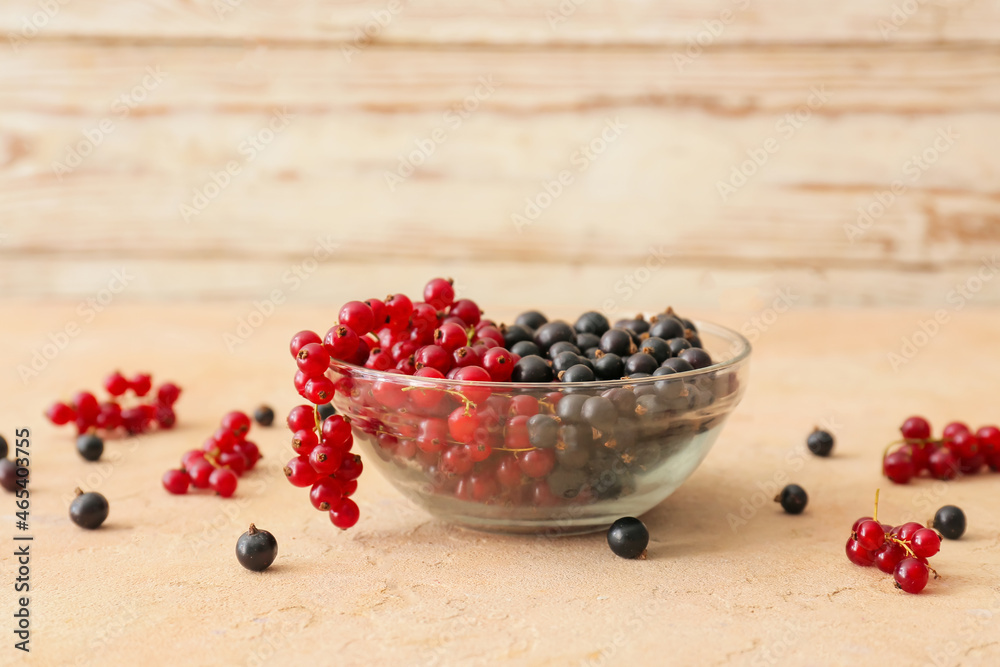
[
  {"x": 221, "y": 461},
  {"x": 147, "y": 410},
  {"x": 959, "y": 450}
]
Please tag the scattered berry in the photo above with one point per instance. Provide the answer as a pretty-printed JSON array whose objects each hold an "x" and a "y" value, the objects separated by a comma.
[
  {"x": 264, "y": 415},
  {"x": 88, "y": 510},
  {"x": 820, "y": 443},
  {"x": 176, "y": 481},
  {"x": 90, "y": 446},
  {"x": 793, "y": 499},
  {"x": 628, "y": 538},
  {"x": 256, "y": 549},
  {"x": 950, "y": 522},
  {"x": 8, "y": 475}
]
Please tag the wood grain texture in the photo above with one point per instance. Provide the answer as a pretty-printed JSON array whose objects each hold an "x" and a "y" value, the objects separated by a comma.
[{"x": 550, "y": 22}]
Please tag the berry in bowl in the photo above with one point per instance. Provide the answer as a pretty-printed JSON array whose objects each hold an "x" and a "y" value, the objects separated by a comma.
[{"x": 537, "y": 426}]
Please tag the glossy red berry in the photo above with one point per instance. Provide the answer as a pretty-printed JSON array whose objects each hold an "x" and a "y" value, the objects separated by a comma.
[
  {"x": 342, "y": 343},
  {"x": 943, "y": 464},
  {"x": 200, "y": 472},
  {"x": 870, "y": 535},
  {"x": 237, "y": 422},
  {"x": 325, "y": 493},
  {"x": 432, "y": 435},
  {"x": 906, "y": 531},
  {"x": 916, "y": 428},
  {"x": 456, "y": 460},
  {"x": 116, "y": 384},
  {"x": 953, "y": 429},
  {"x": 450, "y": 336},
  {"x": 911, "y": 575},
  {"x": 925, "y": 543},
  {"x": 60, "y": 413},
  {"x": 888, "y": 557},
  {"x": 351, "y": 467},
  {"x": 336, "y": 432},
  {"x": 223, "y": 481},
  {"x": 318, "y": 390},
  {"x": 499, "y": 363},
  {"x": 87, "y": 407},
  {"x": 168, "y": 393},
  {"x": 313, "y": 359},
  {"x": 538, "y": 462},
  {"x": 301, "y": 339},
  {"x": 325, "y": 460},
  {"x": 466, "y": 310},
  {"x": 358, "y": 316},
  {"x": 300, "y": 472},
  {"x": 176, "y": 481},
  {"x": 463, "y": 423},
  {"x": 439, "y": 293},
  {"x": 344, "y": 513},
  {"x": 898, "y": 467},
  {"x": 858, "y": 554},
  {"x": 475, "y": 375},
  {"x": 398, "y": 309},
  {"x": 301, "y": 417},
  {"x": 964, "y": 445},
  {"x": 235, "y": 461},
  {"x": 304, "y": 441},
  {"x": 140, "y": 384}
]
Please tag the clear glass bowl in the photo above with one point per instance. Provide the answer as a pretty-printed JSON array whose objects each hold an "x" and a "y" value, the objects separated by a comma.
[{"x": 662, "y": 428}]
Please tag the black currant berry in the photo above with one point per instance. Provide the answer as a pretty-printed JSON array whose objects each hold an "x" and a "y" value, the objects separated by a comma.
[
  {"x": 88, "y": 510},
  {"x": 820, "y": 443},
  {"x": 793, "y": 499},
  {"x": 666, "y": 327},
  {"x": 264, "y": 415},
  {"x": 950, "y": 522},
  {"x": 531, "y": 369},
  {"x": 656, "y": 348},
  {"x": 525, "y": 348},
  {"x": 543, "y": 431},
  {"x": 678, "y": 345},
  {"x": 697, "y": 357},
  {"x": 564, "y": 361},
  {"x": 8, "y": 475},
  {"x": 90, "y": 446},
  {"x": 256, "y": 549},
  {"x": 3, "y": 447},
  {"x": 678, "y": 364},
  {"x": 592, "y": 323},
  {"x": 551, "y": 333},
  {"x": 638, "y": 326},
  {"x": 623, "y": 399},
  {"x": 640, "y": 362},
  {"x": 515, "y": 333},
  {"x": 570, "y": 408},
  {"x": 577, "y": 373},
  {"x": 325, "y": 410},
  {"x": 688, "y": 324},
  {"x": 575, "y": 443},
  {"x": 628, "y": 538},
  {"x": 531, "y": 319},
  {"x": 600, "y": 412},
  {"x": 617, "y": 341},
  {"x": 609, "y": 367},
  {"x": 585, "y": 341},
  {"x": 563, "y": 346}
]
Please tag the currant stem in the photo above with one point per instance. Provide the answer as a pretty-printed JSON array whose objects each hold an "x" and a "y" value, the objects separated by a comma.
[{"x": 875, "y": 514}]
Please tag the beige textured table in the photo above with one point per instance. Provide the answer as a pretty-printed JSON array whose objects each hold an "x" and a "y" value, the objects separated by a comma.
[{"x": 159, "y": 583}]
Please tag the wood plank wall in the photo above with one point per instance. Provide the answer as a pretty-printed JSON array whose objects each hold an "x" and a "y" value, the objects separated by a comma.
[{"x": 848, "y": 152}]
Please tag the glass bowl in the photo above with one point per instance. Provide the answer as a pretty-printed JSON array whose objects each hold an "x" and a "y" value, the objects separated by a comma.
[{"x": 592, "y": 465}]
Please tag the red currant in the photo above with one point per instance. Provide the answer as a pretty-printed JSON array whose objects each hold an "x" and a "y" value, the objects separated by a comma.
[
  {"x": 898, "y": 467},
  {"x": 302, "y": 417},
  {"x": 313, "y": 359},
  {"x": 925, "y": 543},
  {"x": 911, "y": 575},
  {"x": 341, "y": 343},
  {"x": 888, "y": 557},
  {"x": 964, "y": 445},
  {"x": 463, "y": 423},
  {"x": 858, "y": 554},
  {"x": 432, "y": 435},
  {"x": 916, "y": 428},
  {"x": 350, "y": 468},
  {"x": 432, "y": 356},
  {"x": 379, "y": 313},
  {"x": 398, "y": 309},
  {"x": 439, "y": 293},
  {"x": 943, "y": 464},
  {"x": 235, "y": 461},
  {"x": 336, "y": 432},
  {"x": 357, "y": 316},
  {"x": 140, "y": 384},
  {"x": 450, "y": 336},
  {"x": 302, "y": 339},
  {"x": 499, "y": 363},
  {"x": 344, "y": 513},
  {"x": 237, "y": 422},
  {"x": 200, "y": 472},
  {"x": 168, "y": 393},
  {"x": 474, "y": 374},
  {"x": 538, "y": 462},
  {"x": 60, "y": 413},
  {"x": 325, "y": 493},
  {"x": 325, "y": 460},
  {"x": 465, "y": 356},
  {"x": 467, "y": 311},
  {"x": 300, "y": 473},
  {"x": 304, "y": 441},
  {"x": 116, "y": 384},
  {"x": 870, "y": 535},
  {"x": 318, "y": 390},
  {"x": 176, "y": 481},
  {"x": 509, "y": 471},
  {"x": 223, "y": 481}
]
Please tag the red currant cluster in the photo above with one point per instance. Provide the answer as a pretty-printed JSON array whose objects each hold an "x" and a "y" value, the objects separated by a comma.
[
  {"x": 958, "y": 451},
  {"x": 224, "y": 457},
  {"x": 324, "y": 463},
  {"x": 902, "y": 551},
  {"x": 88, "y": 414}
]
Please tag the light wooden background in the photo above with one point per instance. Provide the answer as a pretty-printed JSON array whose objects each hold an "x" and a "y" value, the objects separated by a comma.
[{"x": 695, "y": 84}]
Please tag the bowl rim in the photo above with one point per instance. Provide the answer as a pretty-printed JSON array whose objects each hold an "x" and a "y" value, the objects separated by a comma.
[{"x": 734, "y": 337}]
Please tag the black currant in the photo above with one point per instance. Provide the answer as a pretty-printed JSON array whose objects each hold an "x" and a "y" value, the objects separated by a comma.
[
  {"x": 692, "y": 338},
  {"x": 562, "y": 346},
  {"x": 793, "y": 499},
  {"x": 638, "y": 326},
  {"x": 666, "y": 327},
  {"x": 678, "y": 345},
  {"x": 90, "y": 446},
  {"x": 8, "y": 475},
  {"x": 575, "y": 443},
  {"x": 543, "y": 431},
  {"x": 577, "y": 373},
  {"x": 600, "y": 412},
  {"x": 656, "y": 348},
  {"x": 88, "y": 510},
  {"x": 628, "y": 538},
  {"x": 688, "y": 324},
  {"x": 585, "y": 341},
  {"x": 570, "y": 408},
  {"x": 950, "y": 522},
  {"x": 623, "y": 399},
  {"x": 3, "y": 447},
  {"x": 256, "y": 549},
  {"x": 617, "y": 341},
  {"x": 678, "y": 364},
  {"x": 531, "y": 369},
  {"x": 551, "y": 333},
  {"x": 515, "y": 333},
  {"x": 697, "y": 357},
  {"x": 820, "y": 443},
  {"x": 264, "y": 415},
  {"x": 531, "y": 319},
  {"x": 325, "y": 411},
  {"x": 592, "y": 323},
  {"x": 609, "y": 367},
  {"x": 564, "y": 361},
  {"x": 525, "y": 348},
  {"x": 640, "y": 362}
]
